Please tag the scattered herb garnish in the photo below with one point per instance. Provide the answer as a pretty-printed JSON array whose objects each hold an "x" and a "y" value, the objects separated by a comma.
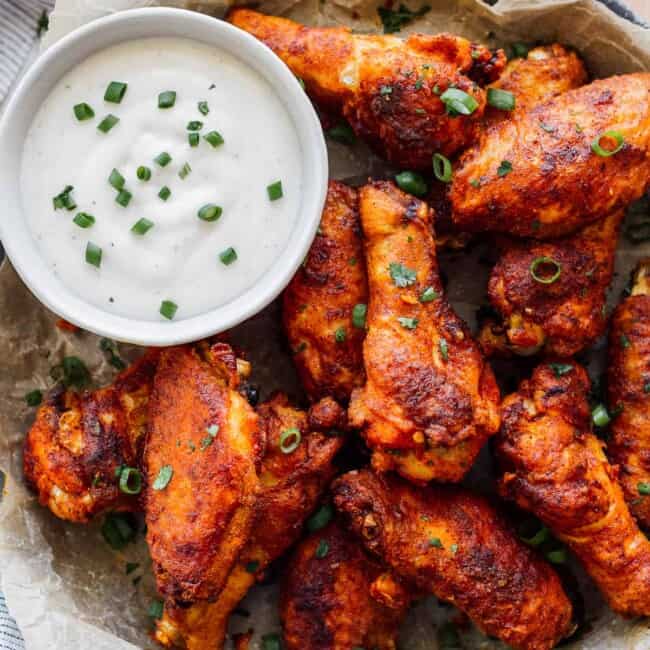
[
  {"x": 504, "y": 168},
  {"x": 115, "y": 92},
  {"x": 408, "y": 323},
  {"x": 359, "y": 312},
  {"x": 83, "y": 112},
  {"x": 320, "y": 518},
  {"x": 560, "y": 369},
  {"x": 274, "y": 191},
  {"x": 34, "y": 397},
  {"x": 118, "y": 530},
  {"x": 290, "y": 440},
  {"x": 412, "y": 183},
  {"x": 168, "y": 309},
  {"x": 401, "y": 275},
  {"x": 110, "y": 349},
  {"x": 64, "y": 199},
  {"x": 167, "y": 99},
  {"x": 322, "y": 549},
  {"x": 71, "y": 371},
  {"x": 342, "y": 133},
  {"x": 108, "y": 123},
  {"x": 394, "y": 19},
  {"x": 164, "y": 476}
]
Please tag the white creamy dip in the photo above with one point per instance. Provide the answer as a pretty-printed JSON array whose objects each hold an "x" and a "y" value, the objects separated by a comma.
[{"x": 178, "y": 259}]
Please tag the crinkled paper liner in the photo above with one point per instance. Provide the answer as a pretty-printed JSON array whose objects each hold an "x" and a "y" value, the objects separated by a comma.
[{"x": 65, "y": 586}]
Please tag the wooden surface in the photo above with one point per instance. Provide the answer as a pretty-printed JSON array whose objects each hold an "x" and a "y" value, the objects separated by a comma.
[{"x": 641, "y": 7}]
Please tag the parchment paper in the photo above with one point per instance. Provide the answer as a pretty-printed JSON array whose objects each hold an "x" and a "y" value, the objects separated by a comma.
[{"x": 65, "y": 586}]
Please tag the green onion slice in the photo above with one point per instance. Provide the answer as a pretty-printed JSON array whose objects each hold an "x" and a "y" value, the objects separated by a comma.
[
  {"x": 342, "y": 133},
  {"x": 83, "y": 112},
  {"x": 164, "y": 193},
  {"x": 541, "y": 536},
  {"x": 184, "y": 171},
  {"x": 428, "y": 295},
  {"x": 322, "y": 549},
  {"x": 408, "y": 323},
  {"x": 643, "y": 489},
  {"x": 93, "y": 254},
  {"x": 167, "y": 99},
  {"x": 320, "y": 518},
  {"x": 203, "y": 107},
  {"x": 194, "y": 125},
  {"x": 617, "y": 136},
  {"x": 193, "y": 139},
  {"x": 130, "y": 480},
  {"x": 164, "y": 476},
  {"x": 168, "y": 309},
  {"x": 142, "y": 226},
  {"x": 501, "y": 99},
  {"x": 442, "y": 168},
  {"x": 116, "y": 180},
  {"x": 210, "y": 212},
  {"x": 108, "y": 123},
  {"x": 271, "y": 642},
  {"x": 444, "y": 349},
  {"x": 412, "y": 183},
  {"x": 123, "y": 197},
  {"x": 214, "y": 138},
  {"x": 163, "y": 159},
  {"x": 228, "y": 256},
  {"x": 34, "y": 397},
  {"x": 600, "y": 416},
  {"x": 84, "y": 220},
  {"x": 274, "y": 191},
  {"x": 458, "y": 102},
  {"x": 143, "y": 173},
  {"x": 115, "y": 92},
  {"x": 545, "y": 270},
  {"x": 558, "y": 556},
  {"x": 560, "y": 369},
  {"x": 290, "y": 440},
  {"x": 64, "y": 199},
  {"x": 359, "y": 312}
]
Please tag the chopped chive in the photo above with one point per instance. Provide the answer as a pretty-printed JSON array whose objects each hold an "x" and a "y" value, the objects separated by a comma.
[
  {"x": 274, "y": 191},
  {"x": 83, "y": 112},
  {"x": 164, "y": 193},
  {"x": 116, "y": 179},
  {"x": 444, "y": 349},
  {"x": 600, "y": 416},
  {"x": 123, "y": 197},
  {"x": 428, "y": 295},
  {"x": 320, "y": 518},
  {"x": 194, "y": 125},
  {"x": 115, "y": 92},
  {"x": 408, "y": 323},
  {"x": 501, "y": 99},
  {"x": 193, "y": 139},
  {"x": 142, "y": 226},
  {"x": 34, "y": 397},
  {"x": 210, "y": 212},
  {"x": 290, "y": 440},
  {"x": 163, "y": 159},
  {"x": 359, "y": 312},
  {"x": 84, "y": 220},
  {"x": 143, "y": 173},
  {"x": 203, "y": 107},
  {"x": 130, "y": 481},
  {"x": 168, "y": 309},
  {"x": 64, "y": 199},
  {"x": 618, "y": 138},
  {"x": 214, "y": 138},
  {"x": 504, "y": 168},
  {"x": 93, "y": 254},
  {"x": 322, "y": 549},
  {"x": 184, "y": 171},
  {"x": 167, "y": 99},
  {"x": 643, "y": 489},
  {"x": 442, "y": 168},
  {"x": 412, "y": 183},
  {"x": 340, "y": 335},
  {"x": 458, "y": 102},
  {"x": 228, "y": 256},
  {"x": 108, "y": 123}
]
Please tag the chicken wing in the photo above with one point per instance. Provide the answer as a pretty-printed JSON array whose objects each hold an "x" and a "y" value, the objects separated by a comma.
[
  {"x": 335, "y": 597},
  {"x": 452, "y": 543},
  {"x": 560, "y": 165},
  {"x": 78, "y": 441},
  {"x": 555, "y": 468},
  {"x": 325, "y": 331},
  {"x": 391, "y": 91},
  {"x": 628, "y": 385},
  {"x": 290, "y": 486},
  {"x": 430, "y": 400},
  {"x": 201, "y": 459},
  {"x": 559, "y": 316}
]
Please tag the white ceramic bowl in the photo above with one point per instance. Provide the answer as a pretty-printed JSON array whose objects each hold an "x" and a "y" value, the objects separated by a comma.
[{"x": 36, "y": 85}]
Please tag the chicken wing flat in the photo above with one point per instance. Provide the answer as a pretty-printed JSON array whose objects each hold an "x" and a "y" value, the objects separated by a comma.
[
  {"x": 555, "y": 468},
  {"x": 551, "y": 295},
  {"x": 452, "y": 543},
  {"x": 552, "y": 169},
  {"x": 201, "y": 459},
  {"x": 430, "y": 400},
  {"x": 628, "y": 384},
  {"x": 79, "y": 440},
  {"x": 391, "y": 91},
  {"x": 324, "y": 330},
  {"x": 290, "y": 486},
  {"x": 334, "y": 596}
]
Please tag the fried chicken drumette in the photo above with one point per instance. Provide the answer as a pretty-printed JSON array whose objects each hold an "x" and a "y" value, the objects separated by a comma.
[
  {"x": 551, "y": 295},
  {"x": 430, "y": 400},
  {"x": 290, "y": 487},
  {"x": 79, "y": 440},
  {"x": 324, "y": 330},
  {"x": 628, "y": 383},
  {"x": 201, "y": 459},
  {"x": 447, "y": 541},
  {"x": 391, "y": 91},
  {"x": 560, "y": 165},
  {"x": 336, "y": 597},
  {"x": 555, "y": 468}
]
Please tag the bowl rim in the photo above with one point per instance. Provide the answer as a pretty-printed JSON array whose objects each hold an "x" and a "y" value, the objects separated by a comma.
[{"x": 15, "y": 233}]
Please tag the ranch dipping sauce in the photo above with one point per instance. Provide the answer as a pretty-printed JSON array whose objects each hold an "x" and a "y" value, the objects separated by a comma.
[{"x": 182, "y": 204}]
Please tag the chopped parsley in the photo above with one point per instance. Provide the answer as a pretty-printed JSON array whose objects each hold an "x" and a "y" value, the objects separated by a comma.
[
  {"x": 394, "y": 19},
  {"x": 401, "y": 275}
]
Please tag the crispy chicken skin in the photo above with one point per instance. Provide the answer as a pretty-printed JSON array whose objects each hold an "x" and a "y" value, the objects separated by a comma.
[
  {"x": 290, "y": 486},
  {"x": 383, "y": 85},
  {"x": 557, "y": 183},
  {"x": 78, "y": 440},
  {"x": 555, "y": 468},
  {"x": 342, "y": 600},
  {"x": 559, "y": 318},
  {"x": 206, "y": 432},
  {"x": 319, "y": 301},
  {"x": 449, "y": 542},
  {"x": 628, "y": 383},
  {"x": 430, "y": 400}
]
